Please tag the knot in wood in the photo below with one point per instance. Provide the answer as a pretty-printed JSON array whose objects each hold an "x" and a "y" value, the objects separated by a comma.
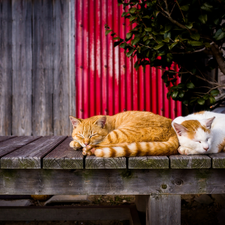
[{"x": 177, "y": 181}]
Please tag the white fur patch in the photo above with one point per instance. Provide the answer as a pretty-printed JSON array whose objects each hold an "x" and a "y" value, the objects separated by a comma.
[
  {"x": 132, "y": 147},
  {"x": 119, "y": 151}
]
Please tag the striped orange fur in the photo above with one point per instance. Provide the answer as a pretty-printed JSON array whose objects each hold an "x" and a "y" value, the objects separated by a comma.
[{"x": 131, "y": 133}]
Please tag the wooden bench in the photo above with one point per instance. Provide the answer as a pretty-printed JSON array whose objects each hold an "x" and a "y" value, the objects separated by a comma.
[{"x": 48, "y": 166}]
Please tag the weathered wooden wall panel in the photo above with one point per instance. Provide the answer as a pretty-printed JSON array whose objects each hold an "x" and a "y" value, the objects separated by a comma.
[
  {"x": 22, "y": 67},
  {"x": 43, "y": 68},
  {"x": 41, "y": 83},
  {"x": 5, "y": 67}
]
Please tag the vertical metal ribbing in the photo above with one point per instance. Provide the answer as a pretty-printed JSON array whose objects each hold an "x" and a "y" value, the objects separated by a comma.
[{"x": 106, "y": 81}]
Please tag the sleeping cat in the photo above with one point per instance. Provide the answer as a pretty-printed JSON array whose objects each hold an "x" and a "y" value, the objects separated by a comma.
[
  {"x": 131, "y": 133},
  {"x": 200, "y": 133}
]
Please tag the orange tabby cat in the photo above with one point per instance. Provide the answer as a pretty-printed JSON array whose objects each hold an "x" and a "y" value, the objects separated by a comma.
[{"x": 131, "y": 133}]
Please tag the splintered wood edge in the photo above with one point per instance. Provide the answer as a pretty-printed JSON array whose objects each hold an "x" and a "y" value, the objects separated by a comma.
[
  {"x": 190, "y": 162},
  {"x": 148, "y": 162}
]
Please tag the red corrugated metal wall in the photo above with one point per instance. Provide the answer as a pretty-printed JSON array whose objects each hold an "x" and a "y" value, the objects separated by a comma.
[{"x": 106, "y": 81}]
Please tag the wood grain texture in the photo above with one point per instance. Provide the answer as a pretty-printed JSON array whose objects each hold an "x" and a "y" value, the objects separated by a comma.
[
  {"x": 22, "y": 67},
  {"x": 12, "y": 144},
  {"x": 148, "y": 162},
  {"x": 4, "y": 138},
  {"x": 93, "y": 162},
  {"x": 30, "y": 156},
  {"x": 163, "y": 210},
  {"x": 43, "y": 67},
  {"x": 190, "y": 162},
  {"x": 62, "y": 77},
  {"x": 5, "y": 67},
  {"x": 218, "y": 160},
  {"x": 111, "y": 182},
  {"x": 63, "y": 157}
]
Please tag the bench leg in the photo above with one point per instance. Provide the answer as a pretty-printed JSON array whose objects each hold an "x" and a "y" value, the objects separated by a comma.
[{"x": 163, "y": 210}]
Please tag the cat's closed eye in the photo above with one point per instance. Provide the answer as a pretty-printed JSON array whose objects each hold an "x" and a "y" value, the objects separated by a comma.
[{"x": 93, "y": 135}]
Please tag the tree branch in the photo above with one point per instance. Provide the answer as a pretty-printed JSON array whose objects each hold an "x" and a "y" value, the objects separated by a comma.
[{"x": 218, "y": 56}]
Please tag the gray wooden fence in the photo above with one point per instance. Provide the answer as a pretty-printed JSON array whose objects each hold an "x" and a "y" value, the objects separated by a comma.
[{"x": 37, "y": 84}]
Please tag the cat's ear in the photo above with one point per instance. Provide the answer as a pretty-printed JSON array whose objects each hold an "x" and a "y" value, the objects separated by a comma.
[
  {"x": 75, "y": 122},
  {"x": 101, "y": 122},
  {"x": 180, "y": 129},
  {"x": 208, "y": 122}
]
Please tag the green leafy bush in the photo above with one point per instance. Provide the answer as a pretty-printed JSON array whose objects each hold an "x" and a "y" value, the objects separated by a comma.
[{"x": 189, "y": 33}]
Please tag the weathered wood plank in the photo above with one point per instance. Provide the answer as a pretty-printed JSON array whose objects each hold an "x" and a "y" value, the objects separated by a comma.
[
  {"x": 190, "y": 162},
  {"x": 218, "y": 160},
  {"x": 30, "y": 156},
  {"x": 111, "y": 182},
  {"x": 5, "y": 67},
  {"x": 43, "y": 67},
  {"x": 63, "y": 213},
  {"x": 63, "y": 157},
  {"x": 4, "y": 138},
  {"x": 12, "y": 144},
  {"x": 22, "y": 67},
  {"x": 148, "y": 162},
  {"x": 163, "y": 210},
  {"x": 93, "y": 162},
  {"x": 62, "y": 77}
]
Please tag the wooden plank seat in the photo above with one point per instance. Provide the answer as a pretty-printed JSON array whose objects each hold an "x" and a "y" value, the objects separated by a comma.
[{"x": 48, "y": 166}]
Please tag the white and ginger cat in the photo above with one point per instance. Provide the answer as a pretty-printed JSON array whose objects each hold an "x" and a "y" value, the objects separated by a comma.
[
  {"x": 200, "y": 133},
  {"x": 131, "y": 133}
]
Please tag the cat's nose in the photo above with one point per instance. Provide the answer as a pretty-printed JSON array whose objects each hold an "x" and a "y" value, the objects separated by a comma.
[
  {"x": 206, "y": 148},
  {"x": 86, "y": 142}
]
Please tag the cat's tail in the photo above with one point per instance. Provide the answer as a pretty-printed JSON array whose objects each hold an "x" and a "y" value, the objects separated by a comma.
[{"x": 140, "y": 149}]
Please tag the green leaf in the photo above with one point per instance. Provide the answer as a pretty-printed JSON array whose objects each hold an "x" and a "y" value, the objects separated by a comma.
[
  {"x": 189, "y": 25},
  {"x": 166, "y": 40},
  {"x": 128, "y": 54},
  {"x": 195, "y": 43},
  {"x": 133, "y": 10},
  {"x": 219, "y": 35},
  {"x": 148, "y": 29},
  {"x": 124, "y": 14},
  {"x": 116, "y": 43},
  {"x": 203, "y": 18},
  {"x": 195, "y": 36},
  {"x": 185, "y": 7},
  {"x": 174, "y": 94},
  {"x": 132, "y": 18},
  {"x": 135, "y": 40},
  {"x": 172, "y": 45},
  {"x": 212, "y": 100},
  {"x": 201, "y": 101},
  {"x": 123, "y": 45},
  {"x": 128, "y": 36},
  {"x": 190, "y": 85},
  {"x": 145, "y": 38},
  {"x": 159, "y": 46},
  {"x": 181, "y": 95},
  {"x": 136, "y": 65},
  {"x": 206, "y": 7},
  {"x": 214, "y": 92},
  {"x": 107, "y": 32},
  {"x": 116, "y": 38}
]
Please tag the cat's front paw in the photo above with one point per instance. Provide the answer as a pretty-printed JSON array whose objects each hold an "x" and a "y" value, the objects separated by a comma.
[
  {"x": 75, "y": 145},
  {"x": 185, "y": 151},
  {"x": 88, "y": 150}
]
